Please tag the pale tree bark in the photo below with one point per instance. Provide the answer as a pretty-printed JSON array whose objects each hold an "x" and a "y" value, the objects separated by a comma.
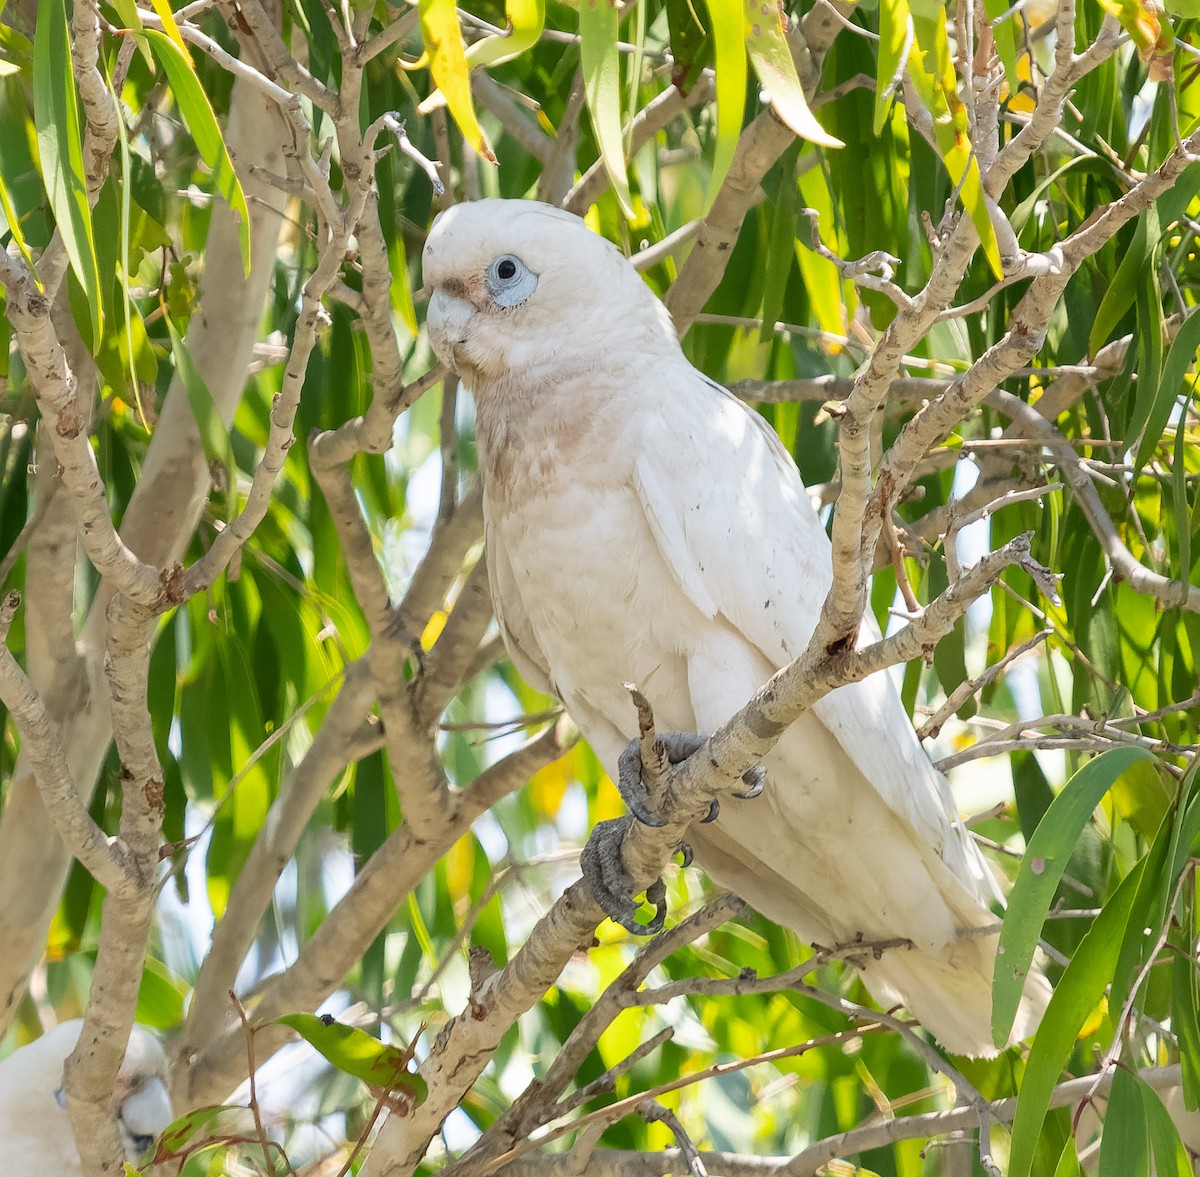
[{"x": 158, "y": 525}]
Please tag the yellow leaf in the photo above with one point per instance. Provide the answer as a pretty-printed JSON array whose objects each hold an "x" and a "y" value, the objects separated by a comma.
[
  {"x": 525, "y": 21},
  {"x": 548, "y": 785},
  {"x": 608, "y": 802},
  {"x": 1095, "y": 1019},
  {"x": 171, "y": 28},
  {"x": 433, "y": 630},
  {"x": 827, "y": 293},
  {"x": 442, "y": 35},
  {"x": 460, "y": 867}
]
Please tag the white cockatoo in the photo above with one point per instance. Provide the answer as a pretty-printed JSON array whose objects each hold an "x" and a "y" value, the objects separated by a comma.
[
  {"x": 645, "y": 526},
  {"x": 35, "y": 1130}
]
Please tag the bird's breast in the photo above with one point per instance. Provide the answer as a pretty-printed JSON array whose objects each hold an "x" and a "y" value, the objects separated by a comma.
[{"x": 604, "y": 607}]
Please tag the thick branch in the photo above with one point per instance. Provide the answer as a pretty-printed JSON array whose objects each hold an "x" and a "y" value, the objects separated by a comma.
[
  {"x": 672, "y": 1162},
  {"x": 359, "y": 916}
]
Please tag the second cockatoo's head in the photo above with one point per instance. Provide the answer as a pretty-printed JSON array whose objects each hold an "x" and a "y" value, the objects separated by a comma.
[
  {"x": 34, "y": 1124},
  {"x": 521, "y": 289}
]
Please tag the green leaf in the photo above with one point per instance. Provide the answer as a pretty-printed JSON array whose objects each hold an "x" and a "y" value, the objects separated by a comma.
[
  {"x": 1005, "y": 35},
  {"x": 13, "y": 222},
  {"x": 60, "y": 144},
  {"x": 765, "y": 30},
  {"x": 931, "y": 68},
  {"x": 780, "y": 250},
  {"x": 895, "y": 23},
  {"x": 202, "y": 123},
  {"x": 730, "y": 67},
  {"x": 1076, "y": 995},
  {"x": 525, "y": 21},
  {"x": 1122, "y": 287},
  {"x": 178, "y": 1133},
  {"x": 442, "y": 36},
  {"x": 1124, "y": 1147},
  {"x": 1161, "y": 398},
  {"x": 358, "y": 1054},
  {"x": 599, "y": 24},
  {"x": 401, "y": 288},
  {"x": 130, "y": 354},
  {"x": 1068, "y": 1161},
  {"x": 214, "y": 436},
  {"x": 131, "y": 19},
  {"x": 1170, "y": 1157},
  {"x": 160, "y": 996},
  {"x": 1041, "y": 871},
  {"x": 1185, "y": 1015}
]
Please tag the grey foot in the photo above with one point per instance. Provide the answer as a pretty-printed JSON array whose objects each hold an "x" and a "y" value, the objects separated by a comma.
[
  {"x": 611, "y": 885},
  {"x": 676, "y": 748}
]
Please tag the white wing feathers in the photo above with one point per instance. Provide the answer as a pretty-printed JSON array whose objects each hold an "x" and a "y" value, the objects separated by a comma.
[{"x": 761, "y": 560}]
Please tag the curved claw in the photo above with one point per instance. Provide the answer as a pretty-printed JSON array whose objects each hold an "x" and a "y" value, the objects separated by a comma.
[
  {"x": 685, "y": 853},
  {"x": 714, "y": 811},
  {"x": 756, "y": 779},
  {"x": 656, "y": 893}
]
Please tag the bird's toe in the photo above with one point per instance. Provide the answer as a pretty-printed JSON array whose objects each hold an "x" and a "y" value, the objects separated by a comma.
[
  {"x": 612, "y": 888},
  {"x": 756, "y": 781}
]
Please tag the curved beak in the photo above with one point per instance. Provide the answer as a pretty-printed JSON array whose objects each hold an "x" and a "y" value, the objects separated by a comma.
[{"x": 448, "y": 322}]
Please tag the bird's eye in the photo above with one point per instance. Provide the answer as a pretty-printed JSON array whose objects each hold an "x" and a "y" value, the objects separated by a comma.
[{"x": 510, "y": 281}]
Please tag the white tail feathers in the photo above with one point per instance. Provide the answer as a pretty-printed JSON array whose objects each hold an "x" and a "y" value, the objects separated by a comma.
[{"x": 950, "y": 993}]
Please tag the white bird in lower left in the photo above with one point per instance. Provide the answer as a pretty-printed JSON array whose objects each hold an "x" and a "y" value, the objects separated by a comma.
[{"x": 35, "y": 1130}]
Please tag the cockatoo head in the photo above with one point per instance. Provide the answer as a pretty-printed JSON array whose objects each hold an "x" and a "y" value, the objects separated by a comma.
[
  {"x": 34, "y": 1125},
  {"x": 522, "y": 289},
  {"x": 141, "y": 1097}
]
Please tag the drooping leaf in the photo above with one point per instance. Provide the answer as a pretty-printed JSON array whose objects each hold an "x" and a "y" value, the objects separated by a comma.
[
  {"x": 599, "y": 25},
  {"x": 931, "y": 68},
  {"x": 730, "y": 69},
  {"x": 163, "y": 8},
  {"x": 1152, "y": 415},
  {"x": 13, "y": 222},
  {"x": 765, "y": 29},
  {"x": 1143, "y": 21},
  {"x": 197, "y": 112},
  {"x": 1077, "y": 993},
  {"x": 525, "y": 21},
  {"x": 1004, "y": 34},
  {"x": 357, "y": 1053},
  {"x": 214, "y": 436},
  {"x": 1124, "y": 1147},
  {"x": 1166, "y": 1149},
  {"x": 780, "y": 252},
  {"x": 442, "y": 35},
  {"x": 60, "y": 145},
  {"x": 895, "y": 32},
  {"x": 182, "y": 1129},
  {"x": 1042, "y": 868},
  {"x": 401, "y": 287}
]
